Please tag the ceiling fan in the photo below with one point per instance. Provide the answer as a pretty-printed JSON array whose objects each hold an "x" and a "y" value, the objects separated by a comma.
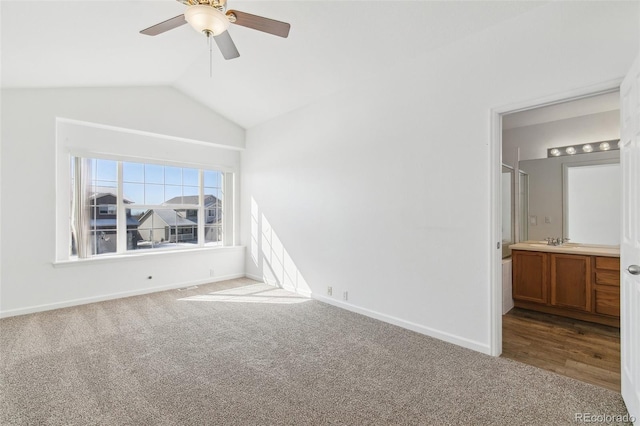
[{"x": 212, "y": 18}]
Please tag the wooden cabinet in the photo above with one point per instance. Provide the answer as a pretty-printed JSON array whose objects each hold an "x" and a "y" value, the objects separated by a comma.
[
  {"x": 530, "y": 276},
  {"x": 571, "y": 281},
  {"x": 606, "y": 286},
  {"x": 578, "y": 286}
]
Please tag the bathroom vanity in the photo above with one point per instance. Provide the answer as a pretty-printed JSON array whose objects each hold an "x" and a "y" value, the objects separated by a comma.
[{"x": 573, "y": 280}]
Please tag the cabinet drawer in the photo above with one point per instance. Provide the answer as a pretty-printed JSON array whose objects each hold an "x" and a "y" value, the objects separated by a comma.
[
  {"x": 611, "y": 263},
  {"x": 607, "y": 301},
  {"x": 608, "y": 278}
]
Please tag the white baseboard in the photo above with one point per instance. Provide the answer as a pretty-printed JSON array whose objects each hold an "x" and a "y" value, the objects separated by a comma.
[
  {"x": 254, "y": 277},
  {"x": 102, "y": 298},
  {"x": 447, "y": 337}
]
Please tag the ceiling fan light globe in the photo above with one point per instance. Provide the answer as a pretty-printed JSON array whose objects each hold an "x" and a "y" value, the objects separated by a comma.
[{"x": 205, "y": 18}]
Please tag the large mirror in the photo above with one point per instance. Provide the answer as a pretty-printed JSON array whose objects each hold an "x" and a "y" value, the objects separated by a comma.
[
  {"x": 575, "y": 197},
  {"x": 591, "y": 202}
]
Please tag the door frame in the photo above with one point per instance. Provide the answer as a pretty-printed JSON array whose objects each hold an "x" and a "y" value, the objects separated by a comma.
[{"x": 495, "y": 194}]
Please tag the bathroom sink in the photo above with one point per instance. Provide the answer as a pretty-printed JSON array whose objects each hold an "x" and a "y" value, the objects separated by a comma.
[
  {"x": 564, "y": 246},
  {"x": 568, "y": 248}
]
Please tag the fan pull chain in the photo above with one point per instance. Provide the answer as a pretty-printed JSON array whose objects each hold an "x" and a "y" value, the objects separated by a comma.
[{"x": 210, "y": 54}]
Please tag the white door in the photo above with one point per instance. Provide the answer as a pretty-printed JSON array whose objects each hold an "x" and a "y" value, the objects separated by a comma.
[{"x": 630, "y": 241}]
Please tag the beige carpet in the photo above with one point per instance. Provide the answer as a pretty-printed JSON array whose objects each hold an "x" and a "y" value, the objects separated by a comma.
[{"x": 240, "y": 352}]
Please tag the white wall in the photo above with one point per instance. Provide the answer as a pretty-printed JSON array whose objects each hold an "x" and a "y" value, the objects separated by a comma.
[
  {"x": 533, "y": 141},
  {"x": 383, "y": 190},
  {"x": 30, "y": 281}
]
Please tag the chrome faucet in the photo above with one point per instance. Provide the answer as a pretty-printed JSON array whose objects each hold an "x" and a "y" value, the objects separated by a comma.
[{"x": 556, "y": 241}]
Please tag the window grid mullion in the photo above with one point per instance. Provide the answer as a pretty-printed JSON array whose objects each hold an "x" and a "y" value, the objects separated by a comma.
[
  {"x": 201, "y": 218},
  {"x": 121, "y": 214},
  {"x": 125, "y": 242}
]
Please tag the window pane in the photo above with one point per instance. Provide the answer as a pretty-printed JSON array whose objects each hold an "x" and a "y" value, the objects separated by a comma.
[
  {"x": 190, "y": 177},
  {"x": 212, "y": 179},
  {"x": 173, "y": 194},
  {"x": 103, "y": 240},
  {"x": 106, "y": 170},
  {"x": 134, "y": 192},
  {"x": 153, "y": 173},
  {"x": 213, "y": 224},
  {"x": 167, "y": 228},
  {"x": 158, "y": 225},
  {"x": 173, "y": 175},
  {"x": 153, "y": 194},
  {"x": 190, "y": 191},
  {"x": 214, "y": 192},
  {"x": 133, "y": 172},
  {"x": 104, "y": 186}
]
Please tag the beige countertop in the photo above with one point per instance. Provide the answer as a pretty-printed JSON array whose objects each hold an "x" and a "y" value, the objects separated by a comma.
[{"x": 569, "y": 248}]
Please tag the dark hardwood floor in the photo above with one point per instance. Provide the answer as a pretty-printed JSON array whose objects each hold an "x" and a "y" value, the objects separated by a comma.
[{"x": 582, "y": 350}]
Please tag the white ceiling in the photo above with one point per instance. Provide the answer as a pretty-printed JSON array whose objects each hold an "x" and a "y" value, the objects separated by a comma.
[{"x": 332, "y": 44}]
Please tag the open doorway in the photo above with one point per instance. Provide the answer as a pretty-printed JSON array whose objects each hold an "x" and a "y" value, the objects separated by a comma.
[{"x": 560, "y": 297}]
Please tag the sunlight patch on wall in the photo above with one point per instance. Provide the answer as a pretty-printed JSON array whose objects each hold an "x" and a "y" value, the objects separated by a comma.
[
  {"x": 254, "y": 232},
  {"x": 271, "y": 257}
]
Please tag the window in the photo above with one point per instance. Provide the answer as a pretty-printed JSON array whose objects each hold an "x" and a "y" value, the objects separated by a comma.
[
  {"x": 121, "y": 206},
  {"x": 109, "y": 209}
]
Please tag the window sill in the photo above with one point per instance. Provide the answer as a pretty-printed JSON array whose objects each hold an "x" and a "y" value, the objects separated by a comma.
[{"x": 112, "y": 258}]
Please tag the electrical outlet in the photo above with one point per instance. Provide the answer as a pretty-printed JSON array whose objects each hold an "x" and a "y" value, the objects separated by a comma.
[
  {"x": 345, "y": 295},
  {"x": 329, "y": 290}
]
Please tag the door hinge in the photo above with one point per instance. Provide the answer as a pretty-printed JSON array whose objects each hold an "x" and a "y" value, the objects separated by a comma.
[{"x": 498, "y": 247}]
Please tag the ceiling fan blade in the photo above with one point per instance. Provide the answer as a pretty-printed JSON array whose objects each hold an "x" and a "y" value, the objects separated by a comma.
[
  {"x": 167, "y": 25},
  {"x": 259, "y": 23},
  {"x": 226, "y": 45}
]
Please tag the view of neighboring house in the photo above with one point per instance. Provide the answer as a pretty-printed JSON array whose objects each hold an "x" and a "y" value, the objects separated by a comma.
[
  {"x": 103, "y": 223},
  {"x": 181, "y": 225}
]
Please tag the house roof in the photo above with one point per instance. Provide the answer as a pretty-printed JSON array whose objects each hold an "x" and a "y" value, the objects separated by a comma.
[
  {"x": 170, "y": 217},
  {"x": 209, "y": 200},
  {"x": 96, "y": 196},
  {"x": 332, "y": 46}
]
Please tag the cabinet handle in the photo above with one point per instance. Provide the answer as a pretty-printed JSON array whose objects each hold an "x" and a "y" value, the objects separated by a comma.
[{"x": 634, "y": 269}]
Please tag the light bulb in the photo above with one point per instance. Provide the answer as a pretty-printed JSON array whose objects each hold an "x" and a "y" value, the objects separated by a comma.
[
  {"x": 555, "y": 152},
  {"x": 587, "y": 148},
  {"x": 205, "y": 18},
  {"x": 571, "y": 150},
  {"x": 604, "y": 146}
]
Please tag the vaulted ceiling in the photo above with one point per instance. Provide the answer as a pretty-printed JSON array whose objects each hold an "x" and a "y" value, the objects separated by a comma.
[{"x": 332, "y": 44}]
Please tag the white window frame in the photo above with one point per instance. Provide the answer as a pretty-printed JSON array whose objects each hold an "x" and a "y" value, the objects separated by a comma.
[
  {"x": 121, "y": 210},
  {"x": 90, "y": 140}
]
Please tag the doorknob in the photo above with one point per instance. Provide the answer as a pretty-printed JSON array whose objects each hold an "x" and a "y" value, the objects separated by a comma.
[{"x": 634, "y": 269}]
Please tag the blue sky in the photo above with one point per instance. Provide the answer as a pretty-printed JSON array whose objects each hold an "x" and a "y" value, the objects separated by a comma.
[{"x": 152, "y": 183}]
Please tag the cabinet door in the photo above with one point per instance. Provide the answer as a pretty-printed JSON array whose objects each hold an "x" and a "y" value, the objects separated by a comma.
[
  {"x": 571, "y": 281},
  {"x": 530, "y": 276},
  {"x": 607, "y": 301}
]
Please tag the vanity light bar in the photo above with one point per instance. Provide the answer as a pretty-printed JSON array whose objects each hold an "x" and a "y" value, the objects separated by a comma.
[{"x": 586, "y": 148}]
